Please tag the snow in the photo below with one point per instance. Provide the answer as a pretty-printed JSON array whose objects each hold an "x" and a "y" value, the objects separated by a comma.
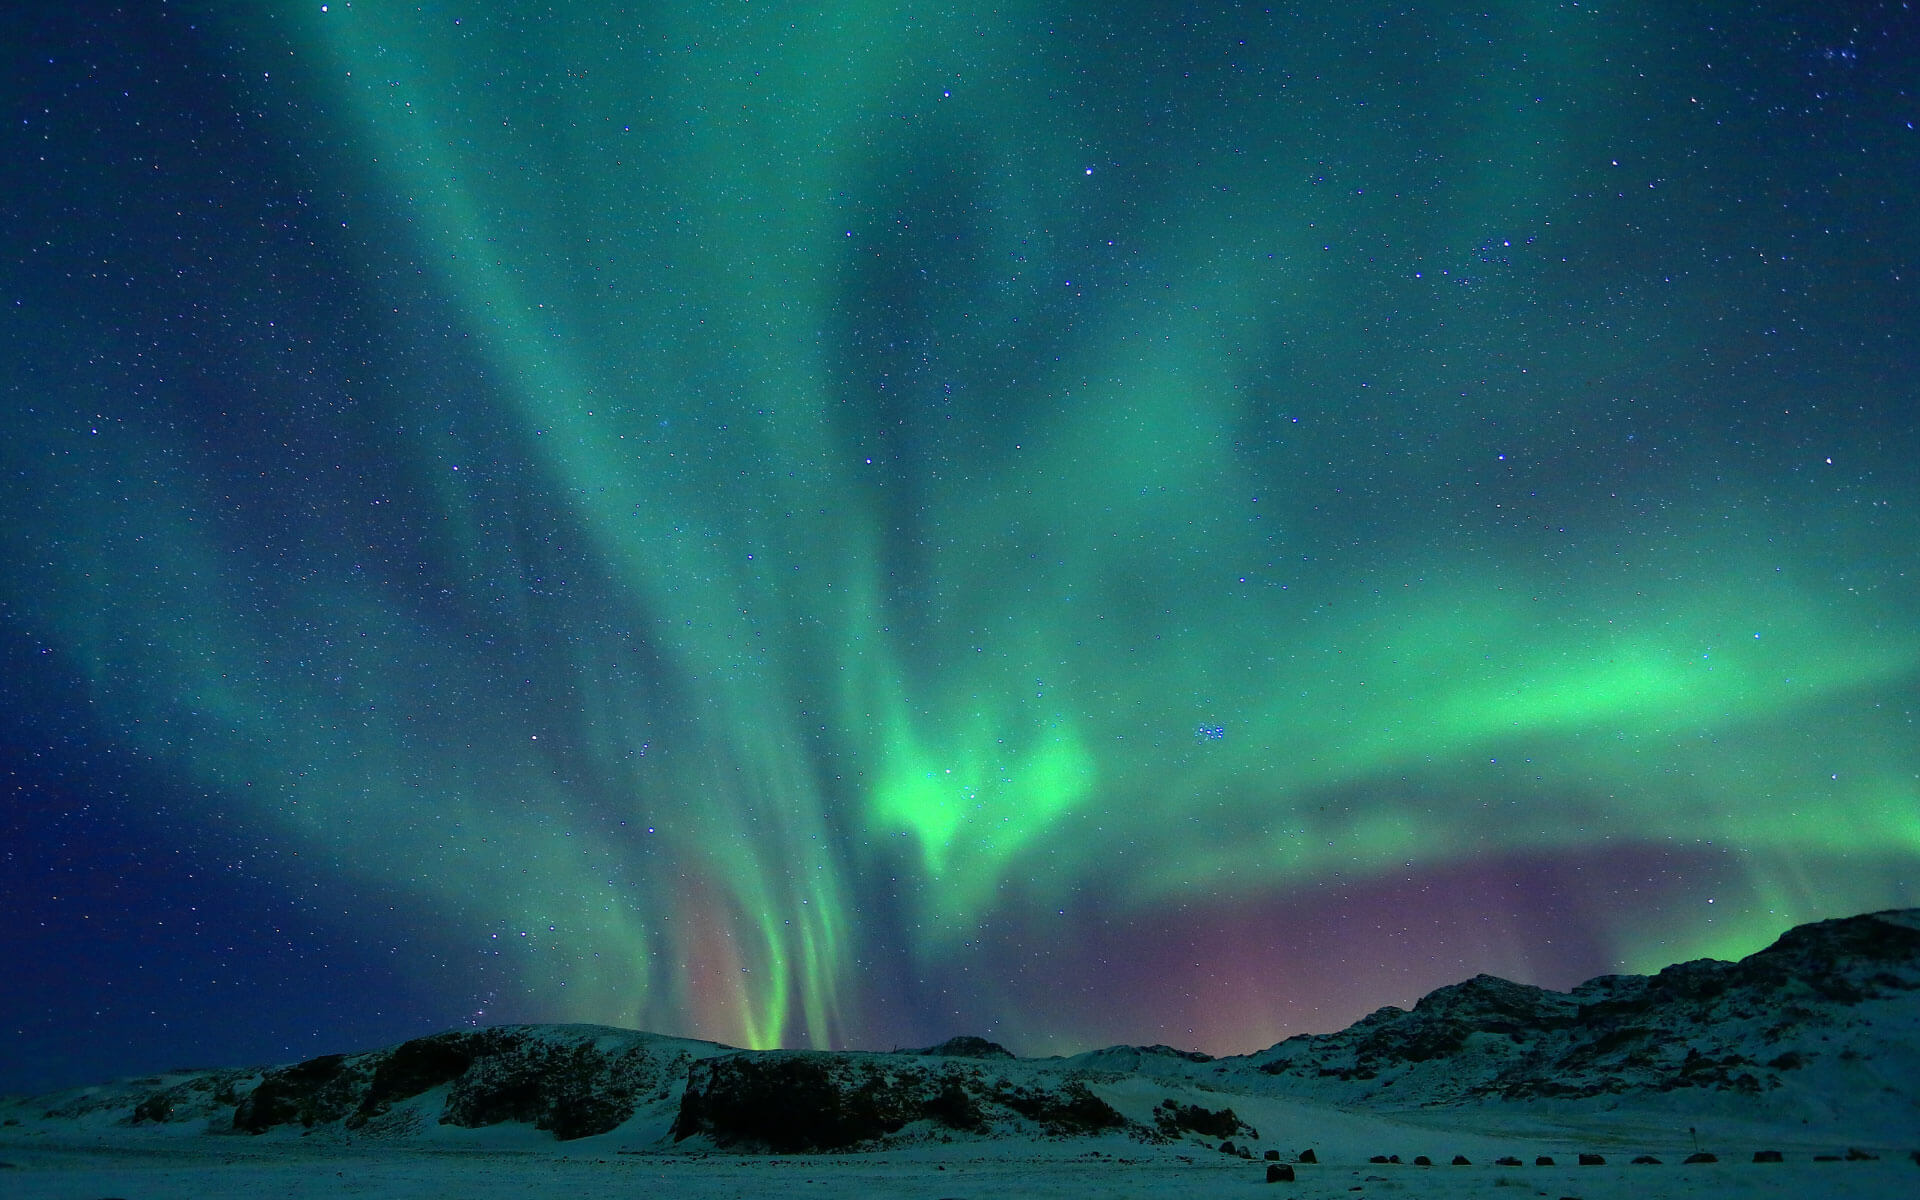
[
  {"x": 58, "y": 1159},
  {"x": 1823, "y": 1030}
]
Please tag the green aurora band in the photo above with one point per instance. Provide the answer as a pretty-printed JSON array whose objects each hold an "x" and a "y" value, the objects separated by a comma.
[{"x": 1009, "y": 476}]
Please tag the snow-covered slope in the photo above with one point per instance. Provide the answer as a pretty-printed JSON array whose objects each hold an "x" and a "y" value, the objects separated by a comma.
[
  {"x": 570, "y": 1081},
  {"x": 1831, "y": 1009},
  {"x": 1819, "y": 1031}
]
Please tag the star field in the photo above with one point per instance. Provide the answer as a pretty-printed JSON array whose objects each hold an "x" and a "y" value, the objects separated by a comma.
[{"x": 847, "y": 526}]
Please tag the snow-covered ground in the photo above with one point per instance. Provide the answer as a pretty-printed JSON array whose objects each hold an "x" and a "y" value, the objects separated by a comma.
[
  {"x": 1808, "y": 1050},
  {"x": 55, "y": 1160}
]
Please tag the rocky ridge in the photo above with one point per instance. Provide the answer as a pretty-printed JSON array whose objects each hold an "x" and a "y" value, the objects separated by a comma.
[
  {"x": 1823, "y": 994},
  {"x": 1830, "y": 1013}
]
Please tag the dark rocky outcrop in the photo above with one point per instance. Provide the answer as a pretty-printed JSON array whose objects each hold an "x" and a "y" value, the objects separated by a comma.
[
  {"x": 199, "y": 1096},
  {"x": 1068, "y": 1110},
  {"x": 572, "y": 1081},
  {"x": 1157, "y": 1050},
  {"x": 572, "y": 1092},
  {"x": 1706, "y": 1024},
  {"x": 790, "y": 1102},
  {"x": 799, "y": 1102},
  {"x": 1174, "y": 1119},
  {"x": 310, "y": 1093},
  {"x": 1818, "y": 1021},
  {"x": 965, "y": 1046}
]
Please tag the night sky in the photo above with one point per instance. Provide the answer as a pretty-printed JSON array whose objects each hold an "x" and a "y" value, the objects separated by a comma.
[{"x": 847, "y": 524}]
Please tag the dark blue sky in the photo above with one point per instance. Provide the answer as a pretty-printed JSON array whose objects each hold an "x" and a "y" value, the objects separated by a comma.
[{"x": 1034, "y": 525}]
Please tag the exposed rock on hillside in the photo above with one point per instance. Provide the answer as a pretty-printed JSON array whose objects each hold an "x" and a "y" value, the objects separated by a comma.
[
  {"x": 1704, "y": 1024},
  {"x": 178, "y": 1097},
  {"x": 1174, "y": 1118},
  {"x": 795, "y": 1101},
  {"x": 1143, "y": 1060},
  {"x": 965, "y": 1046},
  {"x": 1825, "y": 1023},
  {"x": 571, "y": 1080}
]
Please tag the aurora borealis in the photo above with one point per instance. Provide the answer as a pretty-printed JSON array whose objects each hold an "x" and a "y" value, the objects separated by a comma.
[{"x": 849, "y": 524}]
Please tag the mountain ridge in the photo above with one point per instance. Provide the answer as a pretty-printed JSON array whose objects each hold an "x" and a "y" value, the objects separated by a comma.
[
  {"x": 1824, "y": 1020},
  {"x": 1706, "y": 1023}
]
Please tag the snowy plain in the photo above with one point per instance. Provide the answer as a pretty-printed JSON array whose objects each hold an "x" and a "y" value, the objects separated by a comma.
[{"x": 55, "y": 1160}]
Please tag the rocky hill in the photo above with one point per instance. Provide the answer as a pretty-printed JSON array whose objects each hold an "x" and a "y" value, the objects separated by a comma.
[
  {"x": 568, "y": 1080},
  {"x": 1828, "y": 1018},
  {"x": 1835, "y": 998}
]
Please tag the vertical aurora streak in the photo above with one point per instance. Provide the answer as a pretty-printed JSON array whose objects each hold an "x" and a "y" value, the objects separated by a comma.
[{"x": 857, "y": 520}]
